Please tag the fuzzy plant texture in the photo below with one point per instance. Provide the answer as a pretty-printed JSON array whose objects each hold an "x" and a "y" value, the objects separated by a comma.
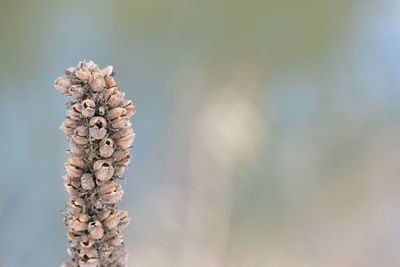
[{"x": 100, "y": 136}]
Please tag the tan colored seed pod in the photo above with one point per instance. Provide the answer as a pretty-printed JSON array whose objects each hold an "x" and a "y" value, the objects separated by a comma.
[
  {"x": 62, "y": 84},
  {"x": 88, "y": 258},
  {"x": 87, "y": 242},
  {"x": 112, "y": 220},
  {"x": 129, "y": 107},
  {"x": 88, "y": 107},
  {"x": 83, "y": 74},
  {"x": 75, "y": 148},
  {"x": 74, "y": 167},
  {"x": 117, "y": 240},
  {"x": 87, "y": 181},
  {"x": 95, "y": 230},
  {"x": 124, "y": 219},
  {"x": 107, "y": 71},
  {"x": 80, "y": 135},
  {"x": 76, "y": 206},
  {"x": 97, "y": 128},
  {"x": 68, "y": 126},
  {"x": 106, "y": 147},
  {"x": 77, "y": 91},
  {"x": 110, "y": 81},
  {"x": 121, "y": 157},
  {"x": 110, "y": 192},
  {"x": 80, "y": 222},
  {"x": 124, "y": 138},
  {"x": 103, "y": 170},
  {"x": 75, "y": 111},
  {"x": 98, "y": 84},
  {"x": 113, "y": 97}
]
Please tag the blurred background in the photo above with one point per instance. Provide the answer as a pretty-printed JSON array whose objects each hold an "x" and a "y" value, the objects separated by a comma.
[{"x": 267, "y": 131}]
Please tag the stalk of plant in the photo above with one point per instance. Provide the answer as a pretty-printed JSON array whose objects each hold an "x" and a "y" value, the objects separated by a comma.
[{"x": 100, "y": 136}]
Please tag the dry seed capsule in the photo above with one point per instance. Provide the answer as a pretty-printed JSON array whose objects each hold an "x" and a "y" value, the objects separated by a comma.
[
  {"x": 113, "y": 97},
  {"x": 77, "y": 91},
  {"x": 107, "y": 71},
  {"x": 124, "y": 219},
  {"x": 76, "y": 206},
  {"x": 83, "y": 74},
  {"x": 98, "y": 84},
  {"x": 68, "y": 126},
  {"x": 87, "y": 181},
  {"x": 80, "y": 135},
  {"x": 87, "y": 242},
  {"x": 103, "y": 170},
  {"x": 88, "y": 107},
  {"x": 129, "y": 107},
  {"x": 88, "y": 257},
  {"x": 106, "y": 147},
  {"x": 74, "y": 167},
  {"x": 112, "y": 220},
  {"x": 80, "y": 223},
  {"x": 110, "y": 192},
  {"x": 95, "y": 230},
  {"x": 124, "y": 138},
  {"x": 121, "y": 157},
  {"x": 97, "y": 128},
  {"x": 75, "y": 111},
  {"x": 62, "y": 84}
]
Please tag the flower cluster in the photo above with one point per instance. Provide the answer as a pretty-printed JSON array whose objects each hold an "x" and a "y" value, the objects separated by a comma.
[{"x": 99, "y": 134}]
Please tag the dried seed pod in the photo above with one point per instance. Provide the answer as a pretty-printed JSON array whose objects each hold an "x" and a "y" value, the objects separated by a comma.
[
  {"x": 87, "y": 181},
  {"x": 112, "y": 220},
  {"x": 86, "y": 241},
  {"x": 124, "y": 219},
  {"x": 74, "y": 167},
  {"x": 106, "y": 147},
  {"x": 129, "y": 107},
  {"x": 121, "y": 157},
  {"x": 75, "y": 148},
  {"x": 117, "y": 240},
  {"x": 88, "y": 258},
  {"x": 88, "y": 107},
  {"x": 77, "y": 91},
  {"x": 97, "y": 128},
  {"x": 71, "y": 185},
  {"x": 124, "y": 138},
  {"x": 110, "y": 81},
  {"x": 80, "y": 223},
  {"x": 76, "y": 206},
  {"x": 83, "y": 74},
  {"x": 103, "y": 214},
  {"x": 107, "y": 71},
  {"x": 80, "y": 135},
  {"x": 74, "y": 236},
  {"x": 103, "y": 170},
  {"x": 63, "y": 84},
  {"x": 110, "y": 192},
  {"x": 68, "y": 126},
  {"x": 113, "y": 97},
  {"x": 95, "y": 230},
  {"x": 98, "y": 84},
  {"x": 75, "y": 111}
]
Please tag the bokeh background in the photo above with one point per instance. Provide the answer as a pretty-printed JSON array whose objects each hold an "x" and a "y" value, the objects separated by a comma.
[{"x": 267, "y": 131}]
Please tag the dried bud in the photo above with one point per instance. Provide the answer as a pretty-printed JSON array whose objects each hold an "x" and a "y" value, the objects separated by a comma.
[
  {"x": 77, "y": 91},
  {"x": 112, "y": 220},
  {"x": 74, "y": 236},
  {"x": 68, "y": 126},
  {"x": 98, "y": 84},
  {"x": 80, "y": 223},
  {"x": 88, "y": 258},
  {"x": 110, "y": 192},
  {"x": 124, "y": 138},
  {"x": 91, "y": 65},
  {"x": 106, "y": 147},
  {"x": 86, "y": 241},
  {"x": 80, "y": 136},
  {"x": 97, "y": 128},
  {"x": 62, "y": 84},
  {"x": 76, "y": 206},
  {"x": 83, "y": 74},
  {"x": 88, "y": 108},
  {"x": 103, "y": 170},
  {"x": 87, "y": 181},
  {"x": 95, "y": 230}
]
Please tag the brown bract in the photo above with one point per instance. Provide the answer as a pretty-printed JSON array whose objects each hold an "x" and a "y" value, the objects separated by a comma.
[{"x": 99, "y": 135}]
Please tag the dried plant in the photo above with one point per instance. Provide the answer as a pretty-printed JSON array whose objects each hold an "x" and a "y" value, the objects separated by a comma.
[{"x": 99, "y": 134}]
